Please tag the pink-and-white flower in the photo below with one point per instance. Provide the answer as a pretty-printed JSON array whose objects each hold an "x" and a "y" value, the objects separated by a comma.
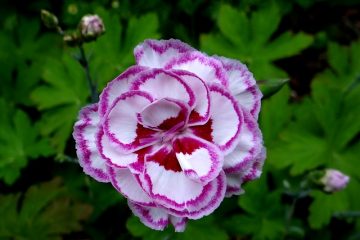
[
  {"x": 174, "y": 134},
  {"x": 334, "y": 180}
]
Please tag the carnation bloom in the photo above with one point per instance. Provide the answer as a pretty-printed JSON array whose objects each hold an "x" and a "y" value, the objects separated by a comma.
[
  {"x": 334, "y": 180},
  {"x": 174, "y": 134}
]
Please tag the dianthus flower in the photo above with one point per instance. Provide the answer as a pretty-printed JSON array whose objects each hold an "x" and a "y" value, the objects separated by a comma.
[{"x": 174, "y": 134}]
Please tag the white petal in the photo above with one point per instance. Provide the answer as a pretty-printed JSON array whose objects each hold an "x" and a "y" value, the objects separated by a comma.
[
  {"x": 85, "y": 131},
  {"x": 156, "y": 54}
]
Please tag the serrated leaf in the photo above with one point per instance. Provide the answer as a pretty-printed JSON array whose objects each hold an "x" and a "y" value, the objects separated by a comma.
[
  {"x": 138, "y": 229},
  {"x": 65, "y": 92},
  {"x": 286, "y": 45},
  {"x": 301, "y": 150},
  {"x": 23, "y": 52},
  {"x": 260, "y": 221},
  {"x": 113, "y": 53},
  {"x": 19, "y": 142},
  {"x": 203, "y": 229},
  {"x": 324, "y": 205},
  {"x": 44, "y": 213},
  {"x": 248, "y": 38},
  {"x": 101, "y": 196},
  {"x": 275, "y": 114}
]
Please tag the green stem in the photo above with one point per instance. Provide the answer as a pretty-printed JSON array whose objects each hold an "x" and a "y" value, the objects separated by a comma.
[
  {"x": 347, "y": 214},
  {"x": 289, "y": 216},
  {"x": 92, "y": 86}
]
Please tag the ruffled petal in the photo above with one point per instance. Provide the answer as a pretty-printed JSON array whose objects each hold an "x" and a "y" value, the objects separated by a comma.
[
  {"x": 242, "y": 85},
  {"x": 164, "y": 114},
  {"x": 201, "y": 112},
  {"x": 114, "y": 156},
  {"x": 224, "y": 125},
  {"x": 200, "y": 160},
  {"x": 249, "y": 146},
  {"x": 121, "y": 126},
  {"x": 179, "y": 223},
  {"x": 126, "y": 183},
  {"x": 153, "y": 217},
  {"x": 166, "y": 182},
  {"x": 116, "y": 87},
  {"x": 163, "y": 84},
  {"x": 233, "y": 184},
  {"x": 214, "y": 194},
  {"x": 207, "y": 68},
  {"x": 156, "y": 54},
  {"x": 85, "y": 130},
  {"x": 256, "y": 169}
]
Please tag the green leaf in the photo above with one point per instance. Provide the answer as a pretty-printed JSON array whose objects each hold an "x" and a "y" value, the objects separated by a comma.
[
  {"x": 101, "y": 196},
  {"x": 286, "y": 45},
  {"x": 44, "y": 213},
  {"x": 324, "y": 205},
  {"x": 260, "y": 221},
  {"x": 23, "y": 52},
  {"x": 203, "y": 229},
  {"x": 113, "y": 53},
  {"x": 338, "y": 58},
  {"x": 64, "y": 93},
  {"x": 299, "y": 149},
  {"x": 270, "y": 87},
  {"x": 249, "y": 39},
  {"x": 19, "y": 142},
  {"x": 138, "y": 229},
  {"x": 275, "y": 114}
]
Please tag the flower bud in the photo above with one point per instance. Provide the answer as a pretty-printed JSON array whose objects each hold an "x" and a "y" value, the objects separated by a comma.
[
  {"x": 334, "y": 180},
  {"x": 91, "y": 27},
  {"x": 49, "y": 19}
]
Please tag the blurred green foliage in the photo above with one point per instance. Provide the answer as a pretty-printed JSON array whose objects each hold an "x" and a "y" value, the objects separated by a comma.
[{"x": 308, "y": 69}]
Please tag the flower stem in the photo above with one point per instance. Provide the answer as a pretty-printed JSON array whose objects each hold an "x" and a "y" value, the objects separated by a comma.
[
  {"x": 92, "y": 86},
  {"x": 347, "y": 214}
]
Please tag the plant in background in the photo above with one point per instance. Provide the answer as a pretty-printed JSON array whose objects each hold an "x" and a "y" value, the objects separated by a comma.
[
  {"x": 91, "y": 27},
  {"x": 312, "y": 135},
  {"x": 334, "y": 180},
  {"x": 175, "y": 133}
]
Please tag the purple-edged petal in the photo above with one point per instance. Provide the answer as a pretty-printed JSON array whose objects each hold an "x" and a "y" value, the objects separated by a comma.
[
  {"x": 153, "y": 217},
  {"x": 201, "y": 112},
  {"x": 207, "y": 68},
  {"x": 200, "y": 160},
  {"x": 115, "y": 157},
  {"x": 85, "y": 131},
  {"x": 126, "y": 183},
  {"x": 256, "y": 169},
  {"x": 233, "y": 184},
  {"x": 248, "y": 147},
  {"x": 163, "y": 84},
  {"x": 243, "y": 85},
  {"x": 179, "y": 223},
  {"x": 116, "y": 87},
  {"x": 164, "y": 114},
  {"x": 121, "y": 125},
  {"x": 214, "y": 193},
  {"x": 224, "y": 125},
  {"x": 167, "y": 183},
  {"x": 157, "y": 53}
]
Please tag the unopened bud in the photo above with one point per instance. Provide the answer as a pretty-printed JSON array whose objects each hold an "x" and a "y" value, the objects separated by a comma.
[
  {"x": 334, "y": 180},
  {"x": 49, "y": 19},
  {"x": 91, "y": 27}
]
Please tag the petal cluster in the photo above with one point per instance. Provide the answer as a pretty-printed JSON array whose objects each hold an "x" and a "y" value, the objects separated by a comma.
[{"x": 174, "y": 134}]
